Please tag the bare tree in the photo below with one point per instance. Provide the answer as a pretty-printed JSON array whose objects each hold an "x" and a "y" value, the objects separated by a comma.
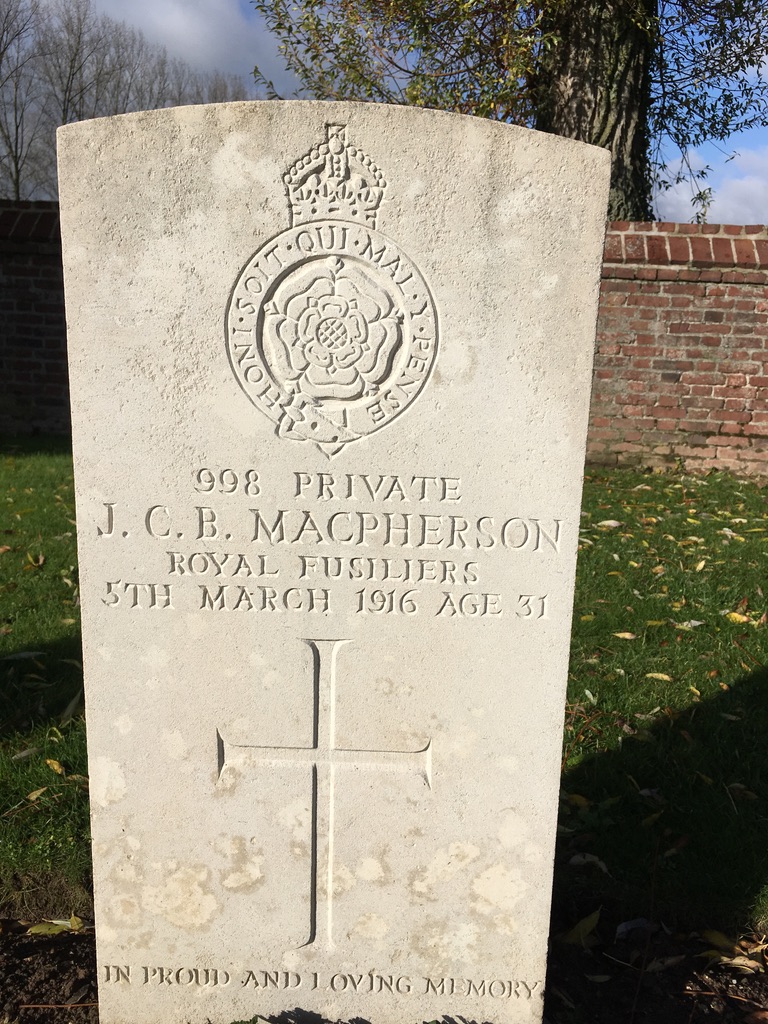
[
  {"x": 23, "y": 157},
  {"x": 60, "y": 61}
]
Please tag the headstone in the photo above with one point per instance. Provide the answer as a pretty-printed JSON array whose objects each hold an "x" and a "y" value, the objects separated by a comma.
[{"x": 330, "y": 369}]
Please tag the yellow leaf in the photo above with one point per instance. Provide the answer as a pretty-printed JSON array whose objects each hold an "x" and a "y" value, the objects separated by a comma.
[
  {"x": 614, "y": 574},
  {"x": 655, "y": 622},
  {"x": 647, "y": 822},
  {"x": 579, "y": 934},
  {"x": 36, "y": 793},
  {"x": 48, "y": 928},
  {"x": 54, "y": 765},
  {"x": 658, "y": 675},
  {"x": 76, "y": 923},
  {"x": 587, "y": 618},
  {"x": 626, "y": 636},
  {"x": 718, "y": 939},
  {"x": 658, "y": 570},
  {"x": 578, "y": 801},
  {"x": 635, "y": 565},
  {"x": 737, "y": 617},
  {"x": 700, "y": 565},
  {"x": 694, "y": 690}
]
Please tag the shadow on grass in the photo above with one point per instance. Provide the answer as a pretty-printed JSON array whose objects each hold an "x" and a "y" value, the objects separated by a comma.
[
  {"x": 35, "y": 444},
  {"x": 38, "y": 684},
  {"x": 677, "y": 818},
  {"x": 45, "y": 869}
]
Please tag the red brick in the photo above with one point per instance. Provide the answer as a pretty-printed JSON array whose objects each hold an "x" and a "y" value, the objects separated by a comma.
[
  {"x": 656, "y": 247},
  {"x": 613, "y": 252},
  {"x": 722, "y": 440},
  {"x": 745, "y": 252},
  {"x": 634, "y": 248},
  {"x": 679, "y": 250},
  {"x": 722, "y": 250}
]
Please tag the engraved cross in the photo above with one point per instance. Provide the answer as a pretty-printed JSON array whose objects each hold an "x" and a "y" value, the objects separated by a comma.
[{"x": 324, "y": 757}]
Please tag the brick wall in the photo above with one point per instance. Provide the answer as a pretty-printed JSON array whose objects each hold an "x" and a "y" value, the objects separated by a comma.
[
  {"x": 34, "y": 394},
  {"x": 681, "y": 370}
]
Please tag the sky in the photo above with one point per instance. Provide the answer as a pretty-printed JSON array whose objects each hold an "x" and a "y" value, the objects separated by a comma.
[{"x": 229, "y": 36}]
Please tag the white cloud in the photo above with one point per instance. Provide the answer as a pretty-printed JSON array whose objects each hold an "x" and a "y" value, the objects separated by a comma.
[
  {"x": 210, "y": 34},
  {"x": 740, "y": 187}
]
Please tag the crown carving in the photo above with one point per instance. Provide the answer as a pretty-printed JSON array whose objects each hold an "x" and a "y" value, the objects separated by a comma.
[{"x": 335, "y": 181}]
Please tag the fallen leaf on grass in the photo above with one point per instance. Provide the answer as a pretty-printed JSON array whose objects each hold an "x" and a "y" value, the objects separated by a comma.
[
  {"x": 581, "y": 859},
  {"x": 36, "y": 793},
  {"x": 663, "y": 962},
  {"x": 735, "y": 616},
  {"x": 57, "y": 927},
  {"x": 738, "y": 790},
  {"x": 55, "y": 766},
  {"x": 24, "y": 754},
  {"x": 719, "y": 939},
  {"x": 659, "y": 675},
  {"x": 609, "y": 524},
  {"x": 4, "y": 548},
  {"x": 626, "y": 636},
  {"x": 581, "y": 933}
]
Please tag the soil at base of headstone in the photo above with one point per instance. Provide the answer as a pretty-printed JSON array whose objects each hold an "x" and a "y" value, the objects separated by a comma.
[
  {"x": 52, "y": 980},
  {"x": 47, "y": 979}
]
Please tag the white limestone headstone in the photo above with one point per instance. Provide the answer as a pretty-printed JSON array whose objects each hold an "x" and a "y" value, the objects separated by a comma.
[{"x": 330, "y": 371}]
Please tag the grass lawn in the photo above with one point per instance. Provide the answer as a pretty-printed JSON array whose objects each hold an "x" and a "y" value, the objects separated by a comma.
[{"x": 664, "y": 810}]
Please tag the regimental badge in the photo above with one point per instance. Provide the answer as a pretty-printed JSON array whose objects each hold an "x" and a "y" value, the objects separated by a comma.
[{"x": 331, "y": 329}]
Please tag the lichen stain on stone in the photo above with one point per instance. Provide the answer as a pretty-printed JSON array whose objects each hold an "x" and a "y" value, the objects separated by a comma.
[
  {"x": 370, "y": 926},
  {"x": 296, "y": 817},
  {"x": 174, "y": 744},
  {"x": 243, "y": 872},
  {"x": 513, "y": 831},
  {"x": 443, "y": 942},
  {"x": 444, "y": 865},
  {"x": 181, "y": 897},
  {"x": 107, "y": 783},
  {"x": 498, "y": 891},
  {"x": 369, "y": 870},
  {"x": 343, "y": 880}
]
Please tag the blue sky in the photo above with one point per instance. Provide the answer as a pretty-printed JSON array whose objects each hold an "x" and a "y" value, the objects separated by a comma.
[{"x": 228, "y": 35}]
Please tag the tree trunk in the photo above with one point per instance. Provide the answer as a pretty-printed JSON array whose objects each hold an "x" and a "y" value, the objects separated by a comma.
[{"x": 594, "y": 85}]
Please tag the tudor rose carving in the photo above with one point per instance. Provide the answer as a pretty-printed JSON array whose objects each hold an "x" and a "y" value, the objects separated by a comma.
[{"x": 331, "y": 328}]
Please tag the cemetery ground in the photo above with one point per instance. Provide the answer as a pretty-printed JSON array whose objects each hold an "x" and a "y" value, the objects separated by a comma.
[{"x": 661, "y": 879}]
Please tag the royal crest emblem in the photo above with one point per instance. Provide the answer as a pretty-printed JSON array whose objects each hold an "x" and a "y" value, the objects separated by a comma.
[{"x": 331, "y": 328}]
